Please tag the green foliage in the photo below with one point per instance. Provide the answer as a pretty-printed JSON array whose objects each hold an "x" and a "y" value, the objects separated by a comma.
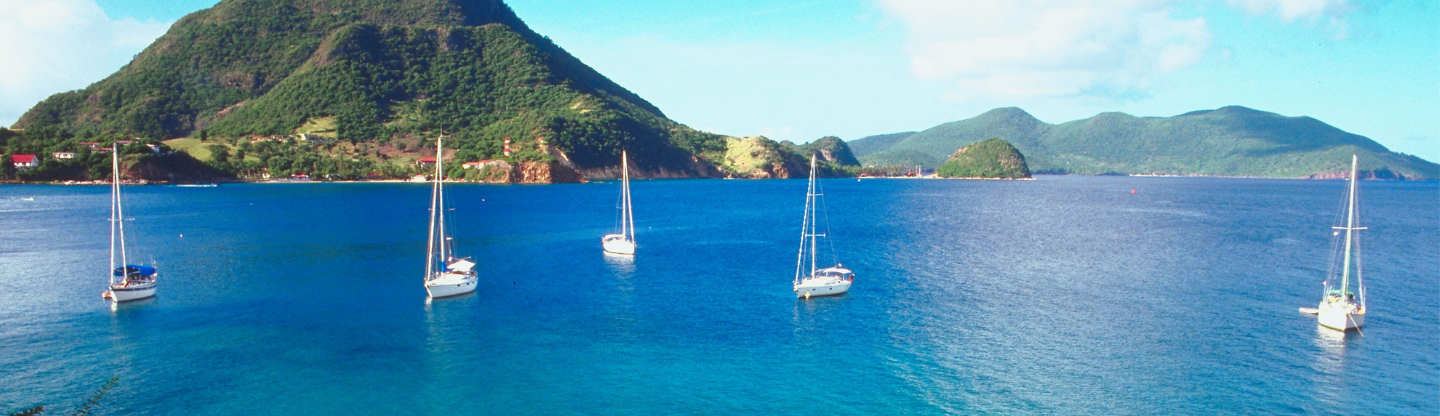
[
  {"x": 29, "y": 412},
  {"x": 94, "y": 401},
  {"x": 373, "y": 71},
  {"x": 91, "y": 404},
  {"x": 7, "y": 167},
  {"x": 283, "y": 159},
  {"x": 871, "y": 144},
  {"x": 219, "y": 153},
  {"x": 1234, "y": 141},
  {"x": 992, "y": 158}
]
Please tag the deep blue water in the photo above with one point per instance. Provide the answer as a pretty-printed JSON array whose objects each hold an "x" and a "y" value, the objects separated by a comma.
[{"x": 1064, "y": 295}]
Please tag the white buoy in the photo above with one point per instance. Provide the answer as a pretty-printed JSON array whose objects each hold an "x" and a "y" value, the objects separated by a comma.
[{"x": 1310, "y": 311}]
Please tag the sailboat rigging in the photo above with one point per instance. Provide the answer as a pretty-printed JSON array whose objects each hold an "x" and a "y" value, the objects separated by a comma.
[
  {"x": 135, "y": 281},
  {"x": 624, "y": 242},
  {"x": 1340, "y": 308},
  {"x": 828, "y": 281},
  {"x": 445, "y": 275}
]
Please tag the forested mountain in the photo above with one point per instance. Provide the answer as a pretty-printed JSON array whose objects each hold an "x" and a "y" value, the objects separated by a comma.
[
  {"x": 1230, "y": 141},
  {"x": 871, "y": 144},
  {"x": 354, "y": 87}
]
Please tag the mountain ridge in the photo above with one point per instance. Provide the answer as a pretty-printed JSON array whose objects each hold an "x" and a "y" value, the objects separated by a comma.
[{"x": 1227, "y": 141}]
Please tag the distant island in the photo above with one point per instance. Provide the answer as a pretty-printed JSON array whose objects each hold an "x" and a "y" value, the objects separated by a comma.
[
  {"x": 989, "y": 159},
  {"x": 1230, "y": 141}
]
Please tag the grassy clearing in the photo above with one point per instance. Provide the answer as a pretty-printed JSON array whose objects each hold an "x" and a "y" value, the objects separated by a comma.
[
  {"x": 320, "y": 126},
  {"x": 196, "y": 148}
]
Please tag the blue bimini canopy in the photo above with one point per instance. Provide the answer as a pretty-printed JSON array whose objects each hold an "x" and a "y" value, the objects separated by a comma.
[{"x": 135, "y": 269}]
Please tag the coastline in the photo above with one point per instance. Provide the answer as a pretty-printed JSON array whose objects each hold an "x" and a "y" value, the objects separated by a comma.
[{"x": 288, "y": 181}]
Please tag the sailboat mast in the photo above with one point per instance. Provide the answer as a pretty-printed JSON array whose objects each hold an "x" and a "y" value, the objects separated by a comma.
[
  {"x": 114, "y": 214},
  {"x": 1349, "y": 227},
  {"x": 628, "y": 217},
  {"x": 812, "y": 214},
  {"x": 430, "y": 244},
  {"x": 119, "y": 211},
  {"x": 440, "y": 190},
  {"x": 804, "y": 231}
]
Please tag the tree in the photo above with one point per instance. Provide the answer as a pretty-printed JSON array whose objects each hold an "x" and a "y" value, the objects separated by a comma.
[{"x": 219, "y": 152}]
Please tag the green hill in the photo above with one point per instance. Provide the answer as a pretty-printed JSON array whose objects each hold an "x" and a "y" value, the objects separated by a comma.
[
  {"x": 1231, "y": 141},
  {"x": 831, "y": 149},
  {"x": 349, "y": 88},
  {"x": 989, "y": 159}
]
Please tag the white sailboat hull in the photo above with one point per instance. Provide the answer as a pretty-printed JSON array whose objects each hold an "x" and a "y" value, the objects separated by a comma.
[
  {"x": 119, "y": 293},
  {"x": 1341, "y": 320},
  {"x": 821, "y": 287},
  {"x": 451, "y": 284},
  {"x": 617, "y": 244}
]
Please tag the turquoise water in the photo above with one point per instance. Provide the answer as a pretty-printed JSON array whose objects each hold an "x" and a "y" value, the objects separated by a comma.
[{"x": 1064, "y": 295}]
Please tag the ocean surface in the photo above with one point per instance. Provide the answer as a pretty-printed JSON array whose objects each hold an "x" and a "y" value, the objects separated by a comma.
[{"x": 1063, "y": 295}]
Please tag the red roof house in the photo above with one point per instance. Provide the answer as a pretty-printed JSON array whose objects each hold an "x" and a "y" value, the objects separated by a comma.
[{"x": 23, "y": 162}]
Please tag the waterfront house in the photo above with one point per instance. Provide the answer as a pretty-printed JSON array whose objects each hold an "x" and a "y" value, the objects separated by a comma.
[
  {"x": 425, "y": 161},
  {"x": 24, "y": 162}
]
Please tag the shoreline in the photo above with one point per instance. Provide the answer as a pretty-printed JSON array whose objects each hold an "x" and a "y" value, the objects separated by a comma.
[{"x": 1035, "y": 177}]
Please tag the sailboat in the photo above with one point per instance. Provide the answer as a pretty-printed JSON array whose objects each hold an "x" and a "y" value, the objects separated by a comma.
[
  {"x": 129, "y": 281},
  {"x": 624, "y": 242},
  {"x": 1340, "y": 308},
  {"x": 445, "y": 275},
  {"x": 816, "y": 281}
]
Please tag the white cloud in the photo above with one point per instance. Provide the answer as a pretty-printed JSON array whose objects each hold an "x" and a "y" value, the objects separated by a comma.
[
  {"x": 1071, "y": 48},
  {"x": 1048, "y": 48},
  {"x": 1291, "y": 10},
  {"x": 51, "y": 46},
  {"x": 1330, "y": 12}
]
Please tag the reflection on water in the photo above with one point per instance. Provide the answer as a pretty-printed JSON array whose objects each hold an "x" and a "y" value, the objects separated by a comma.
[
  {"x": 447, "y": 299},
  {"x": 1331, "y": 387},
  {"x": 131, "y": 306},
  {"x": 1332, "y": 340},
  {"x": 623, "y": 265},
  {"x": 621, "y": 300},
  {"x": 126, "y": 358},
  {"x": 810, "y": 316}
]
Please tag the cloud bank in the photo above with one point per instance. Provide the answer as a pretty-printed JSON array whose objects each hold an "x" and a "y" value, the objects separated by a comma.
[
  {"x": 1064, "y": 48},
  {"x": 51, "y": 46}
]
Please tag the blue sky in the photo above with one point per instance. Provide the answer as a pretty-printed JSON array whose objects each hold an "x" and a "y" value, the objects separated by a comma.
[{"x": 798, "y": 70}]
